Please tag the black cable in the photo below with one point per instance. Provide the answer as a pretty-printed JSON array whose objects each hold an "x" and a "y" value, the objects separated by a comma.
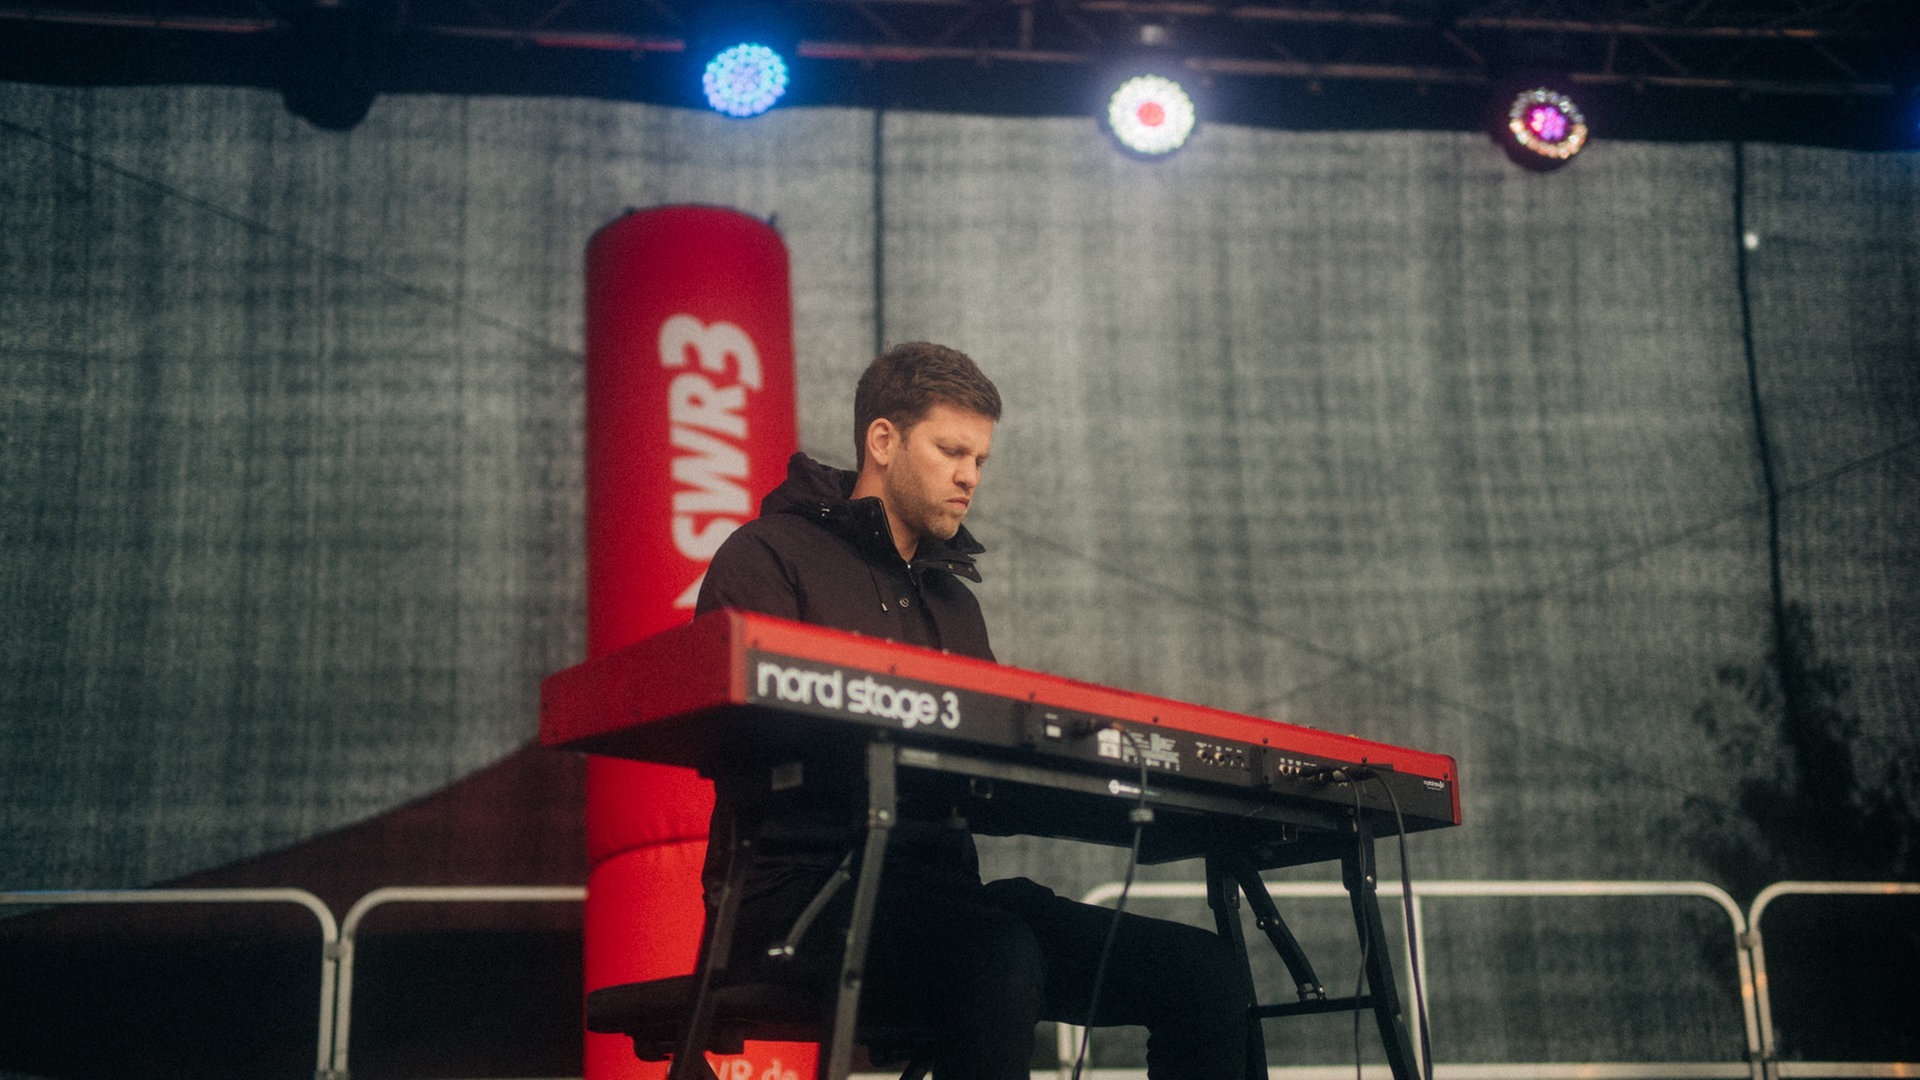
[
  {"x": 1792, "y": 691},
  {"x": 1366, "y": 925},
  {"x": 1413, "y": 948},
  {"x": 1357, "y": 775},
  {"x": 1141, "y": 816}
]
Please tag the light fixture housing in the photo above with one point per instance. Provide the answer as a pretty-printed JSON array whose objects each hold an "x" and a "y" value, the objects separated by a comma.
[
  {"x": 744, "y": 78},
  {"x": 333, "y": 63},
  {"x": 740, "y": 54},
  {"x": 1543, "y": 128},
  {"x": 1150, "y": 114}
]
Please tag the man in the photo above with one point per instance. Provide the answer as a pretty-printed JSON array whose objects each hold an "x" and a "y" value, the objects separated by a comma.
[{"x": 882, "y": 551}]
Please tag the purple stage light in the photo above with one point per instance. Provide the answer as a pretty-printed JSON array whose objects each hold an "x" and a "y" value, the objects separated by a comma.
[{"x": 1547, "y": 123}]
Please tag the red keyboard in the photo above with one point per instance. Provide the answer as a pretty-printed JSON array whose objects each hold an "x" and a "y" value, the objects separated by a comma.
[{"x": 730, "y": 681}]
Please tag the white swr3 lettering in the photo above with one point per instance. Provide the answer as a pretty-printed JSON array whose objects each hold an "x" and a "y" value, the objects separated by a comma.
[{"x": 707, "y": 426}]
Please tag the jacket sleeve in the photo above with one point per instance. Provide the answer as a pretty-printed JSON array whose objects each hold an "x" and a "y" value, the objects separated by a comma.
[{"x": 746, "y": 573}]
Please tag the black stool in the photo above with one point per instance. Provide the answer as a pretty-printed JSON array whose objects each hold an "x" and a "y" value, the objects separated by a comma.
[
  {"x": 671, "y": 1018},
  {"x": 655, "y": 1015}
]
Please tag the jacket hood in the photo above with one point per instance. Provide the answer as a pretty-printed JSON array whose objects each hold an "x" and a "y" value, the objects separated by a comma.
[{"x": 824, "y": 495}]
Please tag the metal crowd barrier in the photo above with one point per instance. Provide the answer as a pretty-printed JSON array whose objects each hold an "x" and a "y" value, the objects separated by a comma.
[
  {"x": 337, "y": 965},
  {"x": 421, "y": 894},
  {"x": 1069, "y": 1039},
  {"x": 329, "y": 930},
  {"x": 1768, "y": 1047}
]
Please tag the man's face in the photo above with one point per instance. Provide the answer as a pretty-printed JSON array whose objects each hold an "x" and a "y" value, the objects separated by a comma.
[{"x": 935, "y": 470}]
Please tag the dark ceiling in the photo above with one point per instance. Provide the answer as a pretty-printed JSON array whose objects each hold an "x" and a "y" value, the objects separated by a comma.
[{"x": 1803, "y": 71}]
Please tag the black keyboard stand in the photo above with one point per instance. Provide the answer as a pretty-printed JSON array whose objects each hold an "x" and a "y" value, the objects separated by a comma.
[
  {"x": 1230, "y": 876},
  {"x": 1233, "y": 857},
  {"x": 715, "y": 957}
]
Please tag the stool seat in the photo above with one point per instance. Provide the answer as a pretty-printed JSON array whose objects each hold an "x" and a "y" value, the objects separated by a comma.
[{"x": 654, "y": 1014}]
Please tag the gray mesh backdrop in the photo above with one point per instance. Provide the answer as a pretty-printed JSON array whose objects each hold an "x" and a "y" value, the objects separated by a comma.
[{"x": 1373, "y": 432}]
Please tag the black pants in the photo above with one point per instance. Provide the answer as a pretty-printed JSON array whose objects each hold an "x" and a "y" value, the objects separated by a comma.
[{"x": 988, "y": 962}]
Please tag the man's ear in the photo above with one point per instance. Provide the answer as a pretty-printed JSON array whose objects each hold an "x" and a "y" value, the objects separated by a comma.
[{"x": 882, "y": 440}]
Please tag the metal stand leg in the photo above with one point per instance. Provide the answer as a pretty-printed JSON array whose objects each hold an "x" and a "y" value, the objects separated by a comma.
[
  {"x": 1357, "y": 871},
  {"x": 690, "y": 1063},
  {"x": 837, "y": 1062},
  {"x": 1381, "y": 998},
  {"x": 1223, "y": 896},
  {"x": 1279, "y": 934}
]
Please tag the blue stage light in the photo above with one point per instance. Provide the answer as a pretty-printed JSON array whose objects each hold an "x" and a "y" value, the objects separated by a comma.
[{"x": 745, "y": 79}]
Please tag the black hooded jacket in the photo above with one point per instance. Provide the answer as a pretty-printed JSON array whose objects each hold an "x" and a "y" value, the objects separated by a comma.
[
  {"x": 817, "y": 555},
  {"x": 820, "y": 556}
]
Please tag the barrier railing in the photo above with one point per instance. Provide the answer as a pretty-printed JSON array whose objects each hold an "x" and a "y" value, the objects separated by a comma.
[
  {"x": 1069, "y": 1037},
  {"x": 329, "y": 930},
  {"x": 336, "y": 967},
  {"x": 422, "y": 894},
  {"x": 1769, "y": 1048}
]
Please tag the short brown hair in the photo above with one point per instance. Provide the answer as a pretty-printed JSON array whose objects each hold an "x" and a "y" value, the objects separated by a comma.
[{"x": 909, "y": 379}]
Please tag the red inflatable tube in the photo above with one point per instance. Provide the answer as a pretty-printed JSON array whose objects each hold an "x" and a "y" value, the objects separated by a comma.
[{"x": 689, "y": 423}]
